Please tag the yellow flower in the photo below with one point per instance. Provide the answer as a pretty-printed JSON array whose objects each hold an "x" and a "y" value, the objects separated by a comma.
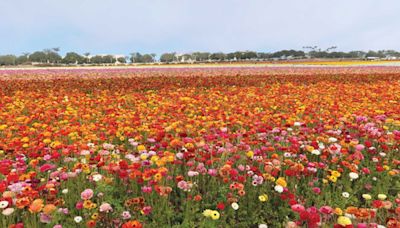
[
  {"x": 215, "y": 215},
  {"x": 250, "y": 154},
  {"x": 263, "y": 197},
  {"x": 207, "y": 212},
  {"x": 309, "y": 148},
  {"x": 157, "y": 177},
  {"x": 87, "y": 204},
  {"x": 343, "y": 221},
  {"x": 367, "y": 196},
  {"x": 338, "y": 211},
  {"x": 332, "y": 178},
  {"x": 335, "y": 173},
  {"x": 141, "y": 148},
  {"x": 281, "y": 181},
  {"x": 95, "y": 215},
  {"x": 143, "y": 156}
]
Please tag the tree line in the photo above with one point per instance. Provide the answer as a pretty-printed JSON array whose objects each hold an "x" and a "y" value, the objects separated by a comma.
[{"x": 52, "y": 56}]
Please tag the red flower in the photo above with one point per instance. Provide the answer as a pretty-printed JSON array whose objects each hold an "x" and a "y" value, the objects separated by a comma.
[{"x": 221, "y": 206}]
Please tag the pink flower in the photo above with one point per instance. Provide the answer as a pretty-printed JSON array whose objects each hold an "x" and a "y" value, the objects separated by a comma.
[
  {"x": 146, "y": 210},
  {"x": 105, "y": 207},
  {"x": 147, "y": 189},
  {"x": 79, "y": 205},
  {"x": 47, "y": 167},
  {"x": 326, "y": 210},
  {"x": 212, "y": 172},
  {"x": 316, "y": 190},
  {"x": 193, "y": 173},
  {"x": 126, "y": 215},
  {"x": 87, "y": 194},
  {"x": 359, "y": 147},
  {"x": 298, "y": 208},
  {"x": 45, "y": 218}
]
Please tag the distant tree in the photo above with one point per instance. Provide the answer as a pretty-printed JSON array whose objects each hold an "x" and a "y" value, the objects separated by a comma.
[
  {"x": 263, "y": 55},
  {"x": 136, "y": 57},
  {"x": 235, "y": 55},
  {"x": 219, "y": 56},
  {"x": 73, "y": 58},
  {"x": 121, "y": 60},
  {"x": 147, "y": 58},
  {"x": 167, "y": 57},
  {"x": 53, "y": 57},
  {"x": 7, "y": 60},
  {"x": 377, "y": 54},
  {"x": 289, "y": 53},
  {"x": 22, "y": 59},
  {"x": 108, "y": 59},
  {"x": 249, "y": 55},
  {"x": 356, "y": 54},
  {"x": 204, "y": 56},
  {"x": 98, "y": 59},
  {"x": 38, "y": 56}
]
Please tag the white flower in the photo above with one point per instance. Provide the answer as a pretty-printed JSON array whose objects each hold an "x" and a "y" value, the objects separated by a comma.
[
  {"x": 263, "y": 226},
  {"x": 382, "y": 154},
  {"x": 278, "y": 188},
  {"x": 345, "y": 194},
  {"x": 321, "y": 146},
  {"x": 235, "y": 206},
  {"x": 381, "y": 226},
  {"x": 316, "y": 152},
  {"x": 350, "y": 216},
  {"x": 78, "y": 219},
  {"x": 287, "y": 155},
  {"x": 8, "y": 211},
  {"x": 353, "y": 175},
  {"x": 382, "y": 196},
  {"x": 297, "y": 124},
  {"x": 332, "y": 140},
  {"x": 97, "y": 177},
  {"x": 65, "y": 191},
  {"x": 289, "y": 129},
  {"x": 3, "y": 204}
]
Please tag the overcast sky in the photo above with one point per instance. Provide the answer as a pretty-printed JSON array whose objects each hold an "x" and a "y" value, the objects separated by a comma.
[{"x": 124, "y": 26}]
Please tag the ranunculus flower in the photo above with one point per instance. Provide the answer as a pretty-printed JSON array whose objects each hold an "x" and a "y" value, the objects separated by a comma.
[
  {"x": 36, "y": 206},
  {"x": 47, "y": 167},
  {"x": 87, "y": 194},
  {"x": 105, "y": 207}
]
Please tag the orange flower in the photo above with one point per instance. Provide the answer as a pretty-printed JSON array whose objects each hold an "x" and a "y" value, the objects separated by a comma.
[
  {"x": 49, "y": 208},
  {"x": 36, "y": 206},
  {"x": 132, "y": 224},
  {"x": 22, "y": 202}
]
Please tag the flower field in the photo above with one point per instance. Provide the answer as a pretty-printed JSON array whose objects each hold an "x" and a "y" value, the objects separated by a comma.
[{"x": 200, "y": 147}]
